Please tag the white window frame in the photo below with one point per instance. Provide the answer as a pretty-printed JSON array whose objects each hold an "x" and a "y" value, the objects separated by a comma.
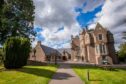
[{"x": 97, "y": 49}]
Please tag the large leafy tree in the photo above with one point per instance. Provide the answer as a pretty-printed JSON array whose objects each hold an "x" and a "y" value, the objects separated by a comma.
[
  {"x": 122, "y": 49},
  {"x": 1, "y": 7},
  {"x": 122, "y": 52},
  {"x": 17, "y": 18}
]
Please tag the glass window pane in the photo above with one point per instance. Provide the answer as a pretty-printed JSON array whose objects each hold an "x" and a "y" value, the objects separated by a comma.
[
  {"x": 100, "y": 46},
  {"x": 103, "y": 48},
  {"x": 100, "y": 36}
]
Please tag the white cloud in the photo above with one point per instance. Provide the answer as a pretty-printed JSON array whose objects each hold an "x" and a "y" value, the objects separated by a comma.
[
  {"x": 66, "y": 45},
  {"x": 92, "y": 26},
  {"x": 113, "y": 17},
  {"x": 53, "y": 14},
  {"x": 91, "y": 5},
  {"x": 34, "y": 43}
]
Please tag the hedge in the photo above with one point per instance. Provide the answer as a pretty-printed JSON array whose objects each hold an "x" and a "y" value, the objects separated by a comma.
[{"x": 16, "y": 52}]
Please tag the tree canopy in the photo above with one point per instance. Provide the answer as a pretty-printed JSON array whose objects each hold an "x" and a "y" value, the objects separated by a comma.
[
  {"x": 122, "y": 47},
  {"x": 122, "y": 52},
  {"x": 17, "y": 18}
]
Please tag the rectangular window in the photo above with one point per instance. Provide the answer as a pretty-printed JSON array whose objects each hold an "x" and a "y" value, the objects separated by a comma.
[
  {"x": 100, "y": 46},
  {"x": 103, "y": 47},
  {"x": 100, "y": 36}
]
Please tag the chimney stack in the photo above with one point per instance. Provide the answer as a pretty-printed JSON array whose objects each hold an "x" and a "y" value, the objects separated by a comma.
[{"x": 39, "y": 43}]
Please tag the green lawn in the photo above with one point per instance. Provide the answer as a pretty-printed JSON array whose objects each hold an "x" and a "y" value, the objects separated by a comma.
[
  {"x": 28, "y": 75},
  {"x": 99, "y": 76}
]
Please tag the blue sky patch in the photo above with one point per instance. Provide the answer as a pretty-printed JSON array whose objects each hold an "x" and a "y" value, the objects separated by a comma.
[
  {"x": 38, "y": 29},
  {"x": 40, "y": 37},
  {"x": 84, "y": 18}
]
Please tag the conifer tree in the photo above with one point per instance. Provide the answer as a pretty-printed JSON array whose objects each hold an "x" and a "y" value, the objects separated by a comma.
[{"x": 16, "y": 18}]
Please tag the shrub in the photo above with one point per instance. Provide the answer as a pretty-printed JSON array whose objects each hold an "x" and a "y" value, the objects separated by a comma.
[
  {"x": 16, "y": 51},
  {"x": 122, "y": 52}
]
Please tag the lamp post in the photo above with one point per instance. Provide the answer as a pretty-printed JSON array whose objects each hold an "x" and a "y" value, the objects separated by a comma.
[{"x": 88, "y": 75}]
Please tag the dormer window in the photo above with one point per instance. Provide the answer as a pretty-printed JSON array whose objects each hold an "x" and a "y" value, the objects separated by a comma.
[{"x": 100, "y": 37}]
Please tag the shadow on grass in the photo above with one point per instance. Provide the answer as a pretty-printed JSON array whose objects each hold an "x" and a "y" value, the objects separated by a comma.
[{"x": 37, "y": 71}]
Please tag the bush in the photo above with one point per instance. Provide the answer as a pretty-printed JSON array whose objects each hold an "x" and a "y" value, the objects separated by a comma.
[
  {"x": 16, "y": 51},
  {"x": 122, "y": 52}
]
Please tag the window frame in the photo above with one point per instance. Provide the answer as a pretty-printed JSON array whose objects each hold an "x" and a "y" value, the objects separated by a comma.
[
  {"x": 100, "y": 37},
  {"x": 101, "y": 49}
]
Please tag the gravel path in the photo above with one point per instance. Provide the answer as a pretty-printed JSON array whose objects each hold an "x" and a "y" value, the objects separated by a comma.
[{"x": 65, "y": 75}]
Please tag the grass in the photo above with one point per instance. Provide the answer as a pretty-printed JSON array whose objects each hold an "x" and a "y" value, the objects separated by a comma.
[
  {"x": 99, "y": 76},
  {"x": 28, "y": 75}
]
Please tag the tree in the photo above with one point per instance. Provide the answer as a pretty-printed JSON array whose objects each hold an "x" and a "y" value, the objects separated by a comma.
[
  {"x": 122, "y": 47},
  {"x": 16, "y": 51},
  {"x": 17, "y": 19},
  {"x": 1, "y": 13},
  {"x": 124, "y": 35},
  {"x": 1, "y": 7},
  {"x": 122, "y": 52}
]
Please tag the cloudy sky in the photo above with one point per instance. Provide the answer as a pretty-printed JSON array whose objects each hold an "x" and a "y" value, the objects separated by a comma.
[{"x": 57, "y": 20}]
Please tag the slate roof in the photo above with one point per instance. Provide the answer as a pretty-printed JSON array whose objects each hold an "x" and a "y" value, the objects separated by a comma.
[{"x": 49, "y": 51}]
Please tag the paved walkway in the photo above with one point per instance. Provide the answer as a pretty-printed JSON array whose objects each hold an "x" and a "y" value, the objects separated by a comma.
[{"x": 65, "y": 75}]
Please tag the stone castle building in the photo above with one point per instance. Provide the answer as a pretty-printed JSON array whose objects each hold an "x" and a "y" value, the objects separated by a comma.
[{"x": 94, "y": 46}]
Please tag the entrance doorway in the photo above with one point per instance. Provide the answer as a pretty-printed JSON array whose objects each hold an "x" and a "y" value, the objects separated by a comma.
[{"x": 64, "y": 58}]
